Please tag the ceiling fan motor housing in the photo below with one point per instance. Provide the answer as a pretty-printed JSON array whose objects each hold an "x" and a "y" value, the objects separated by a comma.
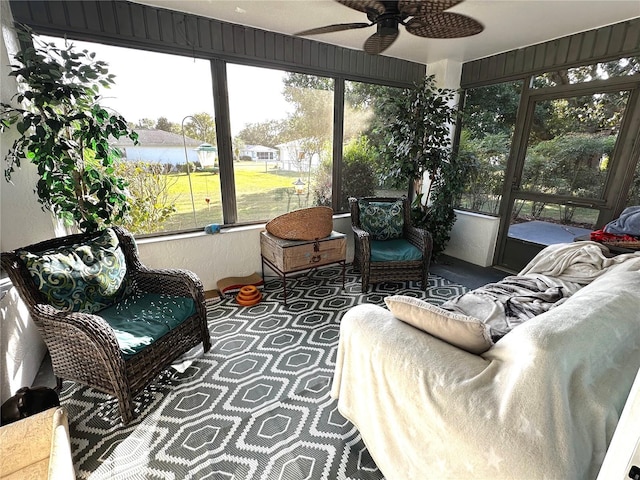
[
  {"x": 424, "y": 18},
  {"x": 387, "y": 25}
]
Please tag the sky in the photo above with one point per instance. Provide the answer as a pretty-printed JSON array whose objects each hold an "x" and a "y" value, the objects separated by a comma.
[{"x": 153, "y": 85}]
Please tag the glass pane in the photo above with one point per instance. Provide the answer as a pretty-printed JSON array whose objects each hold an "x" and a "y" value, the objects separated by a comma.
[
  {"x": 548, "y": 223},
  {"x": 588, "y": 73},
  {"x": 172, "y": 172},
  {"x": 363, "y": 124},
  {"x": 488, "y": 124},
  {"x": 281, "y": 125},
  {"x": 633, "y": 197},
  {"x": 570, "y": 143}
]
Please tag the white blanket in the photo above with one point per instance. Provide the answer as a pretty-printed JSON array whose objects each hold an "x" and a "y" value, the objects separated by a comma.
[
  {"x": 580, "y": 262},
  {"x": 548, "y": 280},
  {"x": 541, "y": 404}
]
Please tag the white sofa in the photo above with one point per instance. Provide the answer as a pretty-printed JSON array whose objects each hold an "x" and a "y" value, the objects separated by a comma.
[
  {"x": 37, "y": 447},
  {"x": 541, "y": 403}
]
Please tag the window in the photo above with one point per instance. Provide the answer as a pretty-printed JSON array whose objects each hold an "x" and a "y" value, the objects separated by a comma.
[
  {"x": 281, "y": 126},
  {"x": 489, "y": 119},
  {"x": 575, "y": 220},
  {"x": 363, "y": 136},
  {"x": 588, "y": 73},
  {"x": 569, "y": 164},
  {"x": 281, "y": 123},
  {"x": 172, "y": 172},
  {"x": 570, "y": 144}
]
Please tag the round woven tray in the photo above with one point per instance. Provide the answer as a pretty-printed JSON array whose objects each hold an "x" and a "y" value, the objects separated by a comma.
[{"x": 303, "y": 224}]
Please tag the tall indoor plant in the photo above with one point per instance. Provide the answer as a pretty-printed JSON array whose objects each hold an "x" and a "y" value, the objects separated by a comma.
[
  {"x": 418, "y": 146},
  {"x": 65, "y": 132}
]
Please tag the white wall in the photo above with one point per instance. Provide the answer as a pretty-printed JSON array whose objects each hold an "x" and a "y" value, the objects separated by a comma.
[
  {"x": 447, "y": 73},
  {"x": 22, "y": 222},
  {"x": 473, "y": 238},
  {"x": 236, "y": 251},
  {"x": 230, "y": 253},
  {"x": 21, "y": 345}
]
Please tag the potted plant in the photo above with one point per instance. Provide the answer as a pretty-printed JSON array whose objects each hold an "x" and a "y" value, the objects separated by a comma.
[
  {"x": 418, "y": 146},
  {"x": 65, "y": 132}
]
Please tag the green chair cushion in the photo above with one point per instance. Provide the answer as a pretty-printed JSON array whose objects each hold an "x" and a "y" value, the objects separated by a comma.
[
  {"x": 398, "y": 250},
  {"x": 140, "y": 320},
  {"x": 80, "y": 278},
  {"x": 382, "y": 220}
]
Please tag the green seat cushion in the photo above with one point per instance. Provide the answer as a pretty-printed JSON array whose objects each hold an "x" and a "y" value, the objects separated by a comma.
[
  {"x": 382, "y": 220},
  {"x": 140, "y": 320},
  {"x": 398, "y": 250},
  {"x": 80, "y": 278}
]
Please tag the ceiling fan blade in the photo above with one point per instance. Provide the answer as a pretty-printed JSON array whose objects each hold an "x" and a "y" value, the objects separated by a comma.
[
  {"x": 366, "y": 6},
  {"x": 444, "y": 25},
  {"x": 333, "y": 28},
  {"x": 377, "y": 43},
  {"x": 422, "y": 8}
]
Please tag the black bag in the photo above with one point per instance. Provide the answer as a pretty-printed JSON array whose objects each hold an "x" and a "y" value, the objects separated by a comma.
[{"x": 28, "y": 401}]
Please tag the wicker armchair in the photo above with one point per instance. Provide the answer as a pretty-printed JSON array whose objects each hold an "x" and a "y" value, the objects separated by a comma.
[
  {"x": 390, "y": 269},
  {"x": 83, "y": 347}
]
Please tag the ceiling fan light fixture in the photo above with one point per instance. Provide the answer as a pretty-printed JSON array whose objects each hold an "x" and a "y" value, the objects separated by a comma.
[
  {"x": 423, "y": 18},
  {"x": 387, "y": 26}
]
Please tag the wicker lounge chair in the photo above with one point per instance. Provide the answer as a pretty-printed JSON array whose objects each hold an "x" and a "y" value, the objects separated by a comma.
[
  {"x": 84, "y": 347},
  {"x": 392, "y": 267}
]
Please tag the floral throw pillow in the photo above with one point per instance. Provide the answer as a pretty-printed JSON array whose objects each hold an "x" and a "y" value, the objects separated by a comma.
[
  {"x": 382, "y": 220},
  {"x": 80, "y": 278}
]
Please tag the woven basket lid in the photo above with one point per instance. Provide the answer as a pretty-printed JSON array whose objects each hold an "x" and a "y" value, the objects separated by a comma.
[{"x": 303, "y": 224}]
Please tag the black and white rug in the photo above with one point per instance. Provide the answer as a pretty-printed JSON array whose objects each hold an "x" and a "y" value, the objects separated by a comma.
[{"x": 256, "y": 406}]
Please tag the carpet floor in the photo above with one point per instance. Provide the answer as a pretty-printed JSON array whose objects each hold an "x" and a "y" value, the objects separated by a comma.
[{"x": 256, "y": 406}]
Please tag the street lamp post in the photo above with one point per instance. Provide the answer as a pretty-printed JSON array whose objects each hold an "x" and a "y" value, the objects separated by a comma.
[{"x": 298, "y": 187}]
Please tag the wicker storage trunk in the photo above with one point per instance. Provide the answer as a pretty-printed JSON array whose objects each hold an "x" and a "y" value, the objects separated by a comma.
[{"x": 292, "y": 255}]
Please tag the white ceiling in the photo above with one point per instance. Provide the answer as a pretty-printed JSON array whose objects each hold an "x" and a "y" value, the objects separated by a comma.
[{"x": 509, "y": 24}]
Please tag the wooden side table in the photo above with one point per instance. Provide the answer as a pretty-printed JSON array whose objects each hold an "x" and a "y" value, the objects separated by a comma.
[{"x": 289, "y": 256}]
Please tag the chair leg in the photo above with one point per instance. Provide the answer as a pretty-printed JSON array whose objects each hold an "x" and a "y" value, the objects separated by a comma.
[
  {"x": 125, "y": 403},
  {"x": 58, "y": 388},
  {"x": 365, "y": 282},
  {"x": 206, "y": 338},
  {"x": 126, "y": 408}
]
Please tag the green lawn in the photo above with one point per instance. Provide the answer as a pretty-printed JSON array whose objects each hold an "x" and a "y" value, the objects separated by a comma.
[{"x": 260, "y": 194}]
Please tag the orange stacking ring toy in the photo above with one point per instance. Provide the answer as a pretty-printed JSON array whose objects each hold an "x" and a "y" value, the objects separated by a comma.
[{"x": 248, "y": 295}]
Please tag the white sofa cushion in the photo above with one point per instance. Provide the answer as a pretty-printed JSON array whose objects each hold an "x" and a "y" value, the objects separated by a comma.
[{"x": 462, "y": 331}]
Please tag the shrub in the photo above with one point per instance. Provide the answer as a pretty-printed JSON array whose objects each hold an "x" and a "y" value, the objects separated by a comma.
[
  {"x": 358, "y": 175},
  {"x": 150, "y": 205}
]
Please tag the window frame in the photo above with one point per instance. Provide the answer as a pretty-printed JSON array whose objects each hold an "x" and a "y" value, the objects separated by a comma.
[{"x": 130, "y": 25}]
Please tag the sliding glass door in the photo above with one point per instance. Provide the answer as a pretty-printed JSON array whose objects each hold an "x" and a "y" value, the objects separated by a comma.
[{"x": 561, "y": 184}]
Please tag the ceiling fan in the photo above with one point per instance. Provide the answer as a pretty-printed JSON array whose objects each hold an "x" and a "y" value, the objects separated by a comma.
[{"x": 424, "y": 18}]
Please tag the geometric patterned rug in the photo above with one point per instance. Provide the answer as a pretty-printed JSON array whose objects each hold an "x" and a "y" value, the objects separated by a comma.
[{"x": 256, "y": 406}]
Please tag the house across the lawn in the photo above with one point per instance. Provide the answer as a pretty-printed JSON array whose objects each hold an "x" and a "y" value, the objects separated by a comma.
[
  {"x": 259, "y": 153},
  {"x": 159, "y": 146}
]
